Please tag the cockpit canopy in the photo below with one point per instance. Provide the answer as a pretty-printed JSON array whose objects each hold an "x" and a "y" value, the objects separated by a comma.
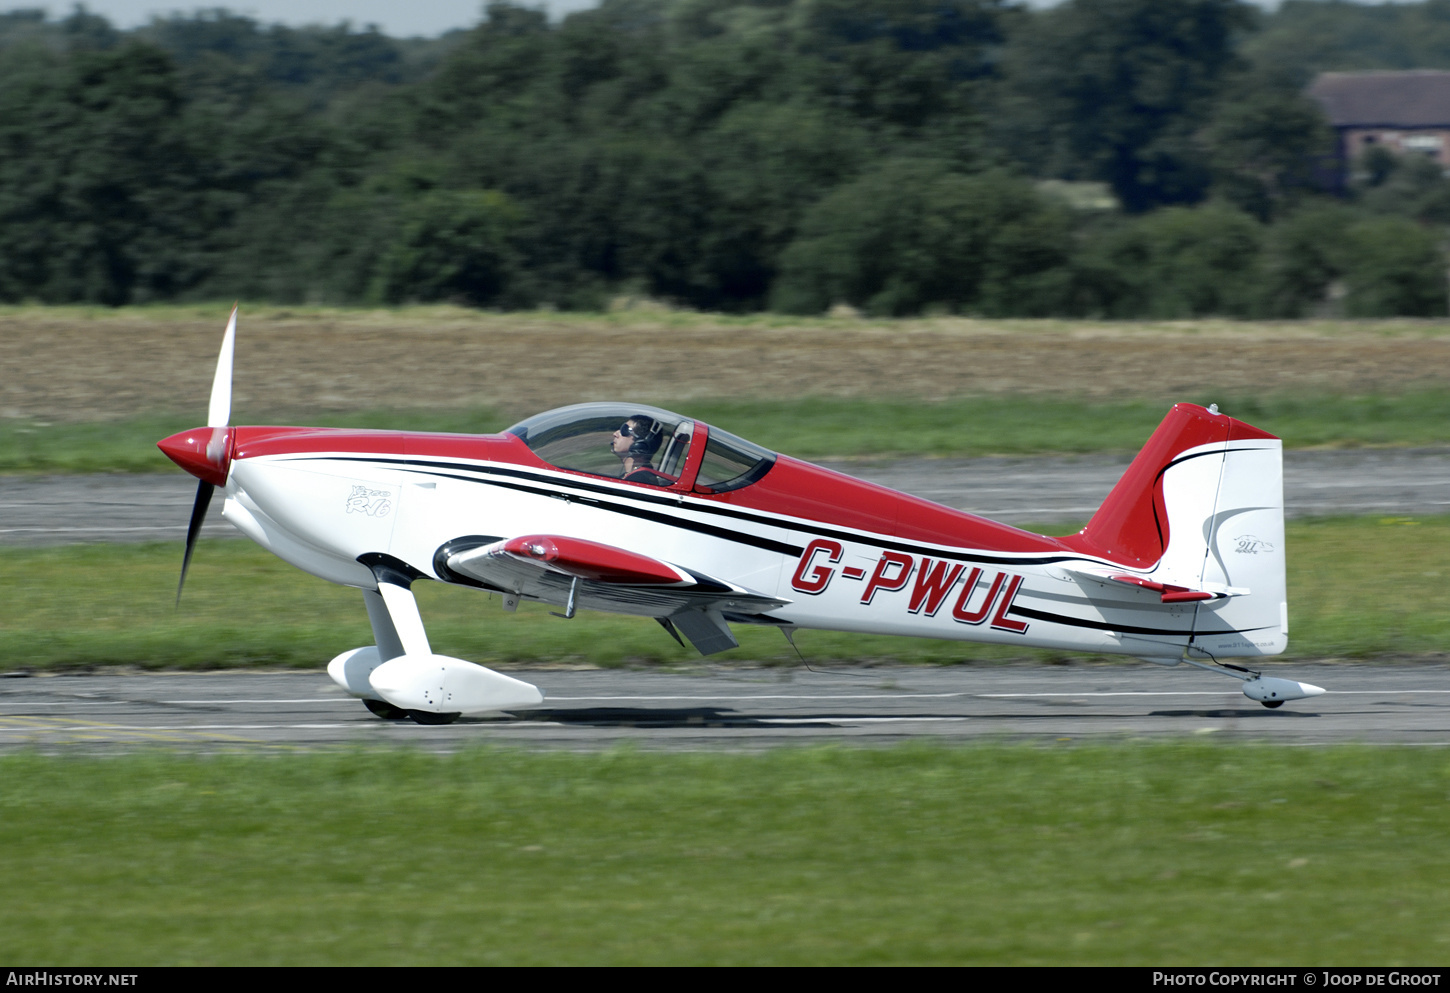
[{"x": 644, "y": 445}]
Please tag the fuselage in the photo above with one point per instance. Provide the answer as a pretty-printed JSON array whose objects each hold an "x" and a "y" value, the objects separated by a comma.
[{"x": 845, "y": 554}]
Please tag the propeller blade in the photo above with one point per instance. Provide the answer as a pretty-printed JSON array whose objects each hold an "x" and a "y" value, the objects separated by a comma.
[
  {"x": 219, "y": 413},
  {"x": 204, "y": 491},
  {"x": 181, "y": 448}
]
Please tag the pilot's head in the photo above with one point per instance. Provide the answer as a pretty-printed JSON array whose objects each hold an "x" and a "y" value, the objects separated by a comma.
[{"x": 638, "y": 438}]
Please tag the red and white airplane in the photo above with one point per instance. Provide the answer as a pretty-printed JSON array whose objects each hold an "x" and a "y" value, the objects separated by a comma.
[{"x": 628, "y": 508}]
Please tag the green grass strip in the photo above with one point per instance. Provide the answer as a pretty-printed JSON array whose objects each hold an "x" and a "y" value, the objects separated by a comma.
[
  {"x": 1016, "y": 425},
  {"x": 130, "y": 445},
  {"x": 1358, "y": 588},
  {"x": 816, "y": 427},
  {"x": 1132, "y": 854}
]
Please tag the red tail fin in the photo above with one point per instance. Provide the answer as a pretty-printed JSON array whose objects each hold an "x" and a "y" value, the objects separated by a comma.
[{"x": 1131, "y": 527}]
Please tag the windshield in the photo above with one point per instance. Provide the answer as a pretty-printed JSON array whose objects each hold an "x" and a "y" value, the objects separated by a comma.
[
  {"x": 625, "y": 441},
  {"x": 641, "y": 444},
  {"x": 731, "y": 463}
]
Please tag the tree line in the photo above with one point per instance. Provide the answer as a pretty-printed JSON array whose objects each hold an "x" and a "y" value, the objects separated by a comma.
[{"x": 1120, "y": 158}]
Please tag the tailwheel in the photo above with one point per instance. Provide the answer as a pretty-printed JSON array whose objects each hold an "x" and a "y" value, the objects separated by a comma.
[
  {"x": 428, "y": 717},
  {"x": 386, "y": 710}
]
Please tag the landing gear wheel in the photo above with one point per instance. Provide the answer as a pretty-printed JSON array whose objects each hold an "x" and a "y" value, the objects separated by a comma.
[
  {"x": 428, "y": 717},
  {"x": 1272, "y": 704},
  {"x": 386, "y": 710}
]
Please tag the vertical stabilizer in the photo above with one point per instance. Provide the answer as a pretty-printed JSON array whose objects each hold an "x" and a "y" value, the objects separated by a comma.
[{"x": 1202, "y": 508}]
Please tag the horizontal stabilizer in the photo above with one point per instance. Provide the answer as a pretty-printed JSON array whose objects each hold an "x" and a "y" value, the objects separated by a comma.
[
  {"x": 1167, "y": 592},
  {"x": 1171, "y": 593}
]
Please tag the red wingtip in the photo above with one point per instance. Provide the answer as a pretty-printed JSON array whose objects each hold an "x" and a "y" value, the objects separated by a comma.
[{"x": 206, "y": 453}]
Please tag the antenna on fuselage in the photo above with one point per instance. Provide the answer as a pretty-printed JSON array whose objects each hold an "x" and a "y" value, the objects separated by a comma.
[{"x": 790, "y": 637}]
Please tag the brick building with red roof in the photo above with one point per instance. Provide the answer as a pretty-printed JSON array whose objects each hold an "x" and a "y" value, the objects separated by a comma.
[{"x": 1405, "y": 112}]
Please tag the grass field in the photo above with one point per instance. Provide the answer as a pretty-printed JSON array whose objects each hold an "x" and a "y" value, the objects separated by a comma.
[
  {"x": 69, "y": 365},
  {"x": 1136, "y": 853},
  {"x": 1149, "y": 854},
  {"x": 1359, "y": 588}
]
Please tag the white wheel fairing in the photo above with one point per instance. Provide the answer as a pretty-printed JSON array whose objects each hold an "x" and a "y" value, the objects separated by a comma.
[
  {"x": 1272, "y": 690},
  {"x": 438, "y": 684},
  {"x": 351, "y": 670}
]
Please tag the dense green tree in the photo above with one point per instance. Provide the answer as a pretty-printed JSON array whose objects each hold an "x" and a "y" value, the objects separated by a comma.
[
  {"x": 1180, "y": 262},
  {"x": 1115, "y": 90},
  {"x": 1263, "y": 141},
  {"x": 1393, "y": 267},
  {"x": 84, "y": 31},
  {"x": 764, "y": 166},
  {"x": 453, "y": 245},
  {"x": 721, "y": 154},
  {"x": 216, "y": 48},
  {"x": 914, "y": 71},
  {"x": 25, "y": 27},
  {"x": 102, "y": 198},
  {"x": 1410, "y": 186},
  {"x": 1305, "y": 37},
  {"x": 912, "y": 235},
  {"x": 1303, "y": 260}
]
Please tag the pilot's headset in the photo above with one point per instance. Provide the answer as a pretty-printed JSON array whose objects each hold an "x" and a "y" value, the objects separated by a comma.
[{"x": 648, "y": 433}]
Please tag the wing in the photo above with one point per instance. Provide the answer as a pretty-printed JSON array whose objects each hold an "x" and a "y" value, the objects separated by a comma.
[{"x": 580, "y": 573}]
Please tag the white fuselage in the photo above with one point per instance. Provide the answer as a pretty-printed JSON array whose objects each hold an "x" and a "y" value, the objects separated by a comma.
[{"x": 321, "y": 511}]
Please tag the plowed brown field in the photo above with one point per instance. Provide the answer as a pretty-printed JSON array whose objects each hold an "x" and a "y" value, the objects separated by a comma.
[{"x": 71, "y": 365}]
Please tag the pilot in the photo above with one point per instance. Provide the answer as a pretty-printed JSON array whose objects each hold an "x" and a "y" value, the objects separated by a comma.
[{"x": 635, "y": 442}]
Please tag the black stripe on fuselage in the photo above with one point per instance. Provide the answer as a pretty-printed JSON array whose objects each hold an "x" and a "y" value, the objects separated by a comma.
[
  {"x": 672, "y": 520},
  {"x": 552, "y": 487},
  {"x": 1080, "y": 622}
]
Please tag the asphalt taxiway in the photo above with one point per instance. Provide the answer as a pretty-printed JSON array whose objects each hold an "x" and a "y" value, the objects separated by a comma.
[
  {"x": 716, "y": 707},
  {"x": 1042, "y": 490},
  {"x": 720, "y": 708}
]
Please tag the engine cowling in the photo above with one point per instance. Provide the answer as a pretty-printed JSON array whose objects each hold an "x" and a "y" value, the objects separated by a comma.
[{"x": 439, "y": 684}]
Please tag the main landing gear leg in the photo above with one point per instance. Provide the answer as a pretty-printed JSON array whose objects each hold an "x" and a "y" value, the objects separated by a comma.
[
  {"x": 398, "y": 630},
  {"x": 400, "y": 676}
]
